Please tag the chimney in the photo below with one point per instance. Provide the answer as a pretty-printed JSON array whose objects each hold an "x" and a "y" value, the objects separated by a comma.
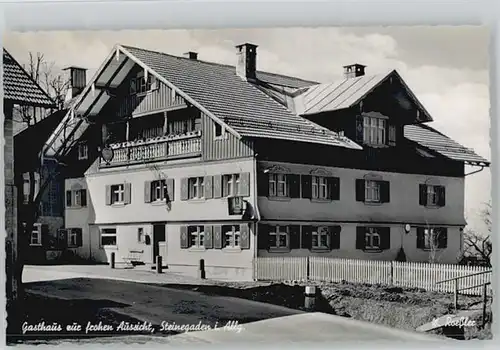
[
  {"x": 77, "y": 81},
  {"x": 354, "y": 70},
  {"x": 247, "y": 61},
  {"x": 191, "y": 55}
]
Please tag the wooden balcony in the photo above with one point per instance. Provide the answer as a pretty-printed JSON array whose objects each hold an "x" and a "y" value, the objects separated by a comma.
[{"x": 155, "y": 149}]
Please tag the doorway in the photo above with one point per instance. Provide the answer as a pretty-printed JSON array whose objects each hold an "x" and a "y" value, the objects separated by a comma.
[{"x": 158, "y": 236}]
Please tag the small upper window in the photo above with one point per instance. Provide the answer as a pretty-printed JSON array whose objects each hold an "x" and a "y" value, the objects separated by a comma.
[
  {"x": 218, "y": 130},
  {"x": 83, "y": 151}
]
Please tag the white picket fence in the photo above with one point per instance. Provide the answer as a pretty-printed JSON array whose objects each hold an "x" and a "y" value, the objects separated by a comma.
[{"x": 401, "y": 274}]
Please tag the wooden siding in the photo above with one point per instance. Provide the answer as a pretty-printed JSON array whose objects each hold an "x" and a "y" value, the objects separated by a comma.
[
  {"x": 225, "y": 148},
  {"x": 154, "y": 101}
]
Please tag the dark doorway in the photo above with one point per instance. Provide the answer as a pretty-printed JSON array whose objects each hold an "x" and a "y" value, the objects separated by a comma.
[{"x": 158, "y": 236}]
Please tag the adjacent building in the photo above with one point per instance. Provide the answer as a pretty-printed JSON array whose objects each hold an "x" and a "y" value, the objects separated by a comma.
[
  {"x": 19, "y": 89},
  {"x": 191, "y": 160}
]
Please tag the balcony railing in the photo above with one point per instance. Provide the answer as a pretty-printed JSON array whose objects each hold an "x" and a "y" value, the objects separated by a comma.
[{"x": 164, "y": 147}]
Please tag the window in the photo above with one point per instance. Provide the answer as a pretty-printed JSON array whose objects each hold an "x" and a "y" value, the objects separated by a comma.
[
  {"x": 74, "y": 237},
  {"x": 279, "y": 237},
  {"x": 278, "y": 185},
  {"x": 76, "y": 198},
  {"x": 117, "y": 194},
  {"x": 195, "y": 188},
  {"x": 140, "y": 85},
  {"x": 430, "y": 238},
  {"x": 372, "y": 238},
  {"x": 231, "y": 235},
  {"x": 320, "y": 237},
  {"x": 26, "y": 187},
  {"x": 36, "y": 235},
  {"x": 159, "y": 191},
  {"x": 432, "y": 195},
  {"x": 374, "y": 130},
  {"x": 218, "y": 130},
  {"x": 108, "y": 237},
  {"x": 372, "y": 191},
  {"x": 83, "y": 151},
  {"x": 231, "y": 185},
  {"x": 140, "y": 235},
  {"x": 196, "y": 236},
  {"x": 319, "y": 187}
]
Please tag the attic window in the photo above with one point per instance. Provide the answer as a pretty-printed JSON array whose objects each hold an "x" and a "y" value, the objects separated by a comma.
[
  {"x": 140, "y": 85},
  {"x": 83, "y": 151},
  {"x": 218, "y": 130}
]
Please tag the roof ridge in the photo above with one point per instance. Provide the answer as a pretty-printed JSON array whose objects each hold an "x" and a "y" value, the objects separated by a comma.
[{"x": 217, "y": 64}]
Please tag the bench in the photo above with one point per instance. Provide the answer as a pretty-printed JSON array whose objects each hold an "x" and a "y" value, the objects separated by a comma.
[{"x": 134, "y": 258}]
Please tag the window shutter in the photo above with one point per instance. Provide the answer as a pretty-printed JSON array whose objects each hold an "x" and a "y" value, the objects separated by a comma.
[
  {"x": 334, "y": 188},
  {"x": 306, "y": 186},
  {"x": 443, "y": 238},
  {"x": 79, "y": 238},
  {"x": 218, "y": 239},
  {"x": 359, "y": 128},
  {"x": 208, "y": 187},
  {"x": 184, "y": 237},
  {"x": 208, "y": 239},
  {"x": 263, "y": 236},
  {"x": 147, "y": 191},
  {"x": 217, "y": 186},
  {"x": 68, "y": 199},
  {"x": 420, "y": 237},
  {"x": 108, "y": 194},
  {"x": 83, "y": 196},
  {"x": 441, "y": 196},
  {"x": 385, "y": 238},
  {"x": 127, "y": 196},
  {"x": 335, "y": 237},
  {"x": 360, "y": 190},
  {"x": 306, "y": 237},
  {"x": 244, "y": 236},
  {"x": 385, "y": 194},
  {"x": 360, "y": 237},
  {"x": 184, "y": 189},
  {"x": 170, "y": 189},
  {"x": 294, "y": 236},
  {"x": 245, "y": 184},
  {"x": 44, "y": 234},
  {"x": 422, "y": 196},
  {"x": 294, "y": 185},
  {"x": 262, "y": 184}
]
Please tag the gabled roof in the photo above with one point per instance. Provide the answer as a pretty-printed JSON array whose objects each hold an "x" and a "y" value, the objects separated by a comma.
[
  {"x": 238, "y": 103},
  {"x": 19, "y": 86},
  {"x": 347, "y": 92},
  {"x": 435, "y": 141}
]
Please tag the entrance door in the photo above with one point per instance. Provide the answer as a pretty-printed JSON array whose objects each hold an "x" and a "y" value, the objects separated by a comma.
[{"x": 158, "y": 236}]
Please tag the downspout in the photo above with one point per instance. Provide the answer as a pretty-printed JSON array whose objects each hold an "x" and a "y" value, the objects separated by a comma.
[{"x": 257, "y": 216}]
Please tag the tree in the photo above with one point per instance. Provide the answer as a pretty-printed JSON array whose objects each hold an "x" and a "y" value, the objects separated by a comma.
[{"x": 479, "y": 245}]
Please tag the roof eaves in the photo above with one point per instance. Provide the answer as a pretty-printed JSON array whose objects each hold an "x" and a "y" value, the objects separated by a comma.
[{"x": 179, "y": 91}]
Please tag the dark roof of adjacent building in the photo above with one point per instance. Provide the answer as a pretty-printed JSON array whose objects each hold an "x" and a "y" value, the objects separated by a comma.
[
  {"x": 238, "y": 103},
  {"x": 19, "y": 86}
]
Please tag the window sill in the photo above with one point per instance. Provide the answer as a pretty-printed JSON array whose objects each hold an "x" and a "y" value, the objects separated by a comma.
[
  {"x": 279, "y": 250},
  {"x": 159, "y": 203},
  {"x": 279, "y": 199},
  {"x": 82, "y": 158},
  {"x": 232, "y": 250},
  {"x": 110, "y": 247},
  {"x": 320, "y": 200},
  {"x": 320, "y": 250},
  {"x": 373, "y": 203},
  {"x": 118, "y": 205},
  {"x": 197, "y": 200},
  {"x": 197, "y": 249},
  {"x": 432, "y": 206},
  {"x": 375, "y": 145},
  {"x": 220, "y": 138},
  {"x": 372, "y": 250}
]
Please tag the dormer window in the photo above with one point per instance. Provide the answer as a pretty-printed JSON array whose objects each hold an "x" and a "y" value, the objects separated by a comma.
[
  {"x": 374, "y": 130},
  {"x": 141, "y": 85}
]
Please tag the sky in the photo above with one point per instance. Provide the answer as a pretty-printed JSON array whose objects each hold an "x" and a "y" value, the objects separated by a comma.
[{"x": 446, "y": 67}]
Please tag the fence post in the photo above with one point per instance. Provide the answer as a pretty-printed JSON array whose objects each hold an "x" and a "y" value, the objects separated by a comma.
[
  {"x": 485, "y": 300},
  {"x": 310, "y": 298},
  {"x": 112, "y": 264},
  {"x": 392, "y": 272},
  {"x": 455, "y": 295},
  {"x": 158, "y": 264}
]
